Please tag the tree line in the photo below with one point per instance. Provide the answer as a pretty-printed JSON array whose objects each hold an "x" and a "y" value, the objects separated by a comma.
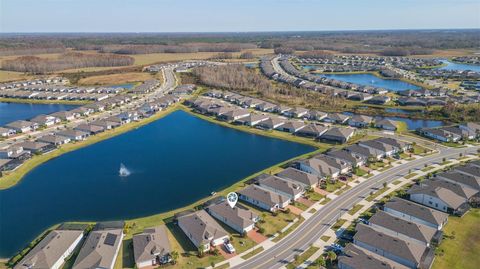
[
  {"x": 241, "y": 79},
  {"x": 37, "y": 65}
]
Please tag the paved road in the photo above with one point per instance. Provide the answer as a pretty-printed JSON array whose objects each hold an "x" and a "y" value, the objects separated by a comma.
[
  {"x": 309, "y": 231},
  {"x": 169, "y": 83}
]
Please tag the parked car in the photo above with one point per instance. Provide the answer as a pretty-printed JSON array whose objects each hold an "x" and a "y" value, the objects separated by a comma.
[{"x": 229, "y": 247}]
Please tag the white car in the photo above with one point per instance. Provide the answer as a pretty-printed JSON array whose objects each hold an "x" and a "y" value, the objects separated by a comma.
[{"x": 229, "y": 247}]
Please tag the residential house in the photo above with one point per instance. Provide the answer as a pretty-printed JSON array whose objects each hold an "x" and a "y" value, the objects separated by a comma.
[
  {"x": 265, "y": 107},
  {"x": 66, "y": 115},
  {"x": 284, "y": 187},
  {"x": 470, "y": 170},
  {"x": 338, "y": 134},
  {"x": 52, "y": 251},
  {"x": 464, "y": 180},
  {"x": 106, "y": 124},
  {"x": 318, "y": 167},
  {"x": 316, "y": 115},
  {"x": 252, "y": 119},
  {"x": 21, "y": 126},
  {"x": 465, "y": 192},
  {"x": 439, "y": 198},
  {"x": 235, "y": 114},
  {"x": 44, "y": 120},
  {"x": 386, "y": 124},
  {"x": 365, "y": 152},
  {"x": 202, "y": 229},
  {"x": 238, "y": 218},
  {"x": 307, "y": 180},
  {"x": 384, "y": 150},
  {"x": 312, "y": 130},
  {"x": 355, "y": 257},
  {"x": 56, "y": 140},
  {"x": 360, "y": 121},
  {"x": 353, "y": 159},
  {"x": 297, "y": 112},
  {"x": 439, "y": 134},
  {"x": 36, "y": 147},
  {"x": 405, "y": 252},
  {"x": 404, "y": 229},
  {"x": 12, "y": 152},
  {"x": 73, "y": 134},
  {"x": 90, "y": 128},
  {"x": 271, "y": 123},
  {"x": 6, "y": 132},
  {"x": 151, "y": 247},
  {"x": 291, "y": 126},
  {"x": 100, "y": 249},
  {"x": 337, "y": 118},
  {"x": 263, "y": 198},
  {"x": 417, "y": 213},
  {"x": 398, "y": 145}
]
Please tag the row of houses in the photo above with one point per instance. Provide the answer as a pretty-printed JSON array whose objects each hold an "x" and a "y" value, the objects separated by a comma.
[
  {"x": 467, "y": 131},
  {"x": 377, "y": 62},
  {"x": 39, "y": 81},
  {"x": 98, "y": 248},
  {"x": 243, "y": 116},
  {"x": 449, "y": 74},
  {"x": 26, "y": 126},
  {"x": 353, "y": 120},
  {"x": 405, "y": 233},
  {"x": 14, "y": 155}
]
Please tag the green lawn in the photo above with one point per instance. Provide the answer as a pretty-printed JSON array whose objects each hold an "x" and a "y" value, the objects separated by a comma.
[
  {"x": 325, "y": 238},
  {"x": 428, "y": 168},
  {"x": 462, "y": 251},
  {"x": 302, "y": 257},
  {"x": 325, "y": 201},
  {"x": 300, "y": 206},
  {"x": 338, "y": 224},
  {"x": 314, "y": 196},
  {"x": 355, "y": 209},
  {"x": 359, "y": 172},
  {"x": 289, "y": 230},
  {"x": 252, "y": 253},
  {"x": 376, "y": 194},
  {"x": 409, "y": 176}
]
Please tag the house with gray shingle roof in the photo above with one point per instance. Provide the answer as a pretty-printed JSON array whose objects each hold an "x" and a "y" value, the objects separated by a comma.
[
  {"x": 353, "y": 159},
  {"x": 338, "y": 134},
  {"x": 238, "y": 218},
  {"x": 272, "y": 122},
  {"x": 300, "y": 177},
  {"x": 414, "y": 212},
  {"x": 151, "y": 247},
  {"x": 458, "y": 189},
  {"x": 465, "y": 180},
  {"x": 281, "y": 186},
  {"x": 202, "y": 229},
  {"x": 439, "y": 198},
  {"x": 360, "y": 121},
  {"x": 386, "y": 124},
  {"x": 291, "y": 126},
  {"x": 355, "y": 257},
  {"x": 312, "y": 130},
  {"x": 21, "y": 126},
  {"x": 56, "y": 140},
  {"x": 252, "y": 119},
  {"x": 52, "y": 250},
  {"x": 405, "y": 229},
  {"x": 100, "y": 249},
  {"x": 405, "y": 252},
  {"x": 263, "y": 198}
]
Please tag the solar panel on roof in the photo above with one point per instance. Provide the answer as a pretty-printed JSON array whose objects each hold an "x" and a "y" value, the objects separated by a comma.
[{"x": 110, "y": 239}]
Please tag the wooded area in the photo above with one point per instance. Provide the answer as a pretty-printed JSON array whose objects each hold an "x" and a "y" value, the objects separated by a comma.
[
  {"x": 241, "y": 79},
  {"x": 37, "y": 65}
]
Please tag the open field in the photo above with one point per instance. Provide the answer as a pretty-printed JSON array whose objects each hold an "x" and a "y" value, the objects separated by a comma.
[
  {"x": 11, "y": 76},
  {"x": 460, "y": 248},
  {"x": 115, "y": 78}
]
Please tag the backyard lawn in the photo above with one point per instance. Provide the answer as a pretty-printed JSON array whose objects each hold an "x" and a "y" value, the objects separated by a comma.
[{"x": 460, "y": 247}]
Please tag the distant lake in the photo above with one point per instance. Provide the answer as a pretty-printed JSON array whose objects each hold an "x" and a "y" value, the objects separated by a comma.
[
  {"x": 125, "y": 86},
  {"x": 18, "y": 111},
  {"x": 173, "y": 162},
  {"x": 394, "y": 85},
  {"x": 459, "y": 66}
]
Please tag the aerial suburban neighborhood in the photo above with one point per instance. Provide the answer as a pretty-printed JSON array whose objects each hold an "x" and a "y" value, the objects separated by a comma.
[{"x": 255, "y": 134}]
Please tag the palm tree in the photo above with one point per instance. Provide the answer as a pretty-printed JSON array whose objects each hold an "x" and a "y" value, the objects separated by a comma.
[
  {"x": 201, "y": 250},
  {"x": 174, "y": 255},
  {"x": 331, "y": 256}
]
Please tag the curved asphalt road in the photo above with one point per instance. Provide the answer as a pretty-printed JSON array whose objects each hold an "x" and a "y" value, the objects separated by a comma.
[{"x": 310, "y": 230}]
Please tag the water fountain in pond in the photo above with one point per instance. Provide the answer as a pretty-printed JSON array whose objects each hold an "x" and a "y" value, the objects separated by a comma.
[{"x": 124, "y": 172}]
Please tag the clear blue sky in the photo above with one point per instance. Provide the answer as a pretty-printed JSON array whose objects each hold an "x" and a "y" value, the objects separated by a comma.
[{"x": 234, "y": 15}]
